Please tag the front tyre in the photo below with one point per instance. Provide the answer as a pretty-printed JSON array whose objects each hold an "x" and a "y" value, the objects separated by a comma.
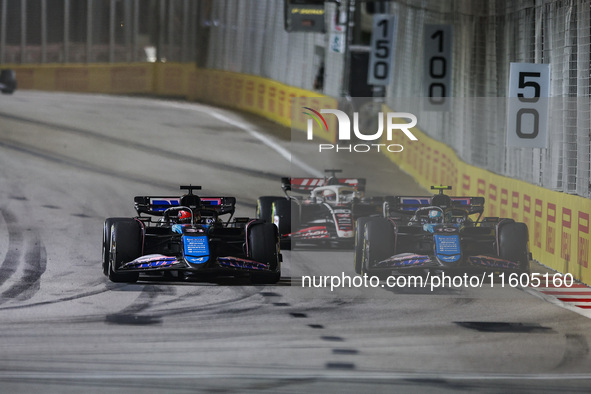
[
  {"x": 107, "y": 242},
  {"x": 263, "y": 246},
  {"x": 378, "y": 243},
  {"x": 126, "y": 245},
  {"x": 513, "y": 245}
]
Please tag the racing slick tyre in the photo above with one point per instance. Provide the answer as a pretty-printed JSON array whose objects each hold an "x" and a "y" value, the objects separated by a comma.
[
  {"x": 513, "y": 239},
  {"x": 263, "y": 247},
  {"x": 264, "y": 207},
  {"x": 285, "y": 215},
  {"x": 378, "y": 243},
  {"x": 107, "y": 242},
  {"x": 8, "y": 81},
  {"x": 359, "y": 234},
  {"x": 126, "y": 245}
]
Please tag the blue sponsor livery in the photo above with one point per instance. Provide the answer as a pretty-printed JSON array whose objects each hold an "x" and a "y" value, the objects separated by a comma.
[
  {"x": 493, "y": 262},
  {"x": 404, "y": 260},
  {"x": 234, "y": 262},
  {"x": 151, "y": 261},
  {"x": 196, "y": 260},
  {"x": 412, "y": 203},
  {"x": 161, "y": 205},
  {"x": 447, "y": 247},
  {"x": 196, "y": 249}
]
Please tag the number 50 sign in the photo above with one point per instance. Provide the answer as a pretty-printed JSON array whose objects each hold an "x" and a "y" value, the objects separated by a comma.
[{"x": 527, "y": 108}]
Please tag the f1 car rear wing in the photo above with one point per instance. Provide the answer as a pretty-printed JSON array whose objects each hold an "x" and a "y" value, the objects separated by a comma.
[
  {"x": 306, "y": 185},
  {"x": 473, "y": 205},
  {"x": 156, "y": 206}
]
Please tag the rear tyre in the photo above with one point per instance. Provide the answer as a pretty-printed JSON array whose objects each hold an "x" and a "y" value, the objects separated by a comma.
[
  {"x": 359, "y": 233},
  {"x": 263, "y": 245},
  {"x": 513, "y": 245},
  {"x": 264, "y": 207},
  {"x": 285, "y": 215},
  {"x": 126, "y": 245},
  {"x": 107, "y": 242},
  {"x": 8, "y": 79},
  {"x": 378, "y": 243}
]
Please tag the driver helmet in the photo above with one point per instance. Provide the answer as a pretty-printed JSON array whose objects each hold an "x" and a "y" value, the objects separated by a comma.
[
  {"x": 329, "y": 195},
  {"x": 184, "y": 216},
  {"x": 435, "y": 216}
]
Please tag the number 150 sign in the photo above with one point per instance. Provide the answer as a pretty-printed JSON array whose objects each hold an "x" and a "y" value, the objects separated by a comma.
[
  {"x": 383, "y": 43},
  {"x": 527, "y": 109}
]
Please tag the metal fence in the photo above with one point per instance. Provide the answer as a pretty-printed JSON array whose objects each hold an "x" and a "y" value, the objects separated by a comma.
[
  {"x": 487, "y": 37},
  {"x": 248, "y": 36},
  {"x": 89, "y": 31}
]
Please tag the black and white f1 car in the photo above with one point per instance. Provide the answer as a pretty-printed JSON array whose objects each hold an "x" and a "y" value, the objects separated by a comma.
[
  {"x": 437, "y": 233},
  {"x": 184, "y": 235},
  {"x": 7, "y": 81},
  {"x": 324, "y": 216}
]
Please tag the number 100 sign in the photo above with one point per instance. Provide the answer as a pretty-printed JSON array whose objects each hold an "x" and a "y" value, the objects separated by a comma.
[
  {"x": 527, "y": 107},
  {"x": 437, "y": 67}
]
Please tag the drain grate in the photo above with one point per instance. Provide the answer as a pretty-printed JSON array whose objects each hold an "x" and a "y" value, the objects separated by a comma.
[
  {"x": 131, "y": 319},
  {"x": 485, "y": 326}
]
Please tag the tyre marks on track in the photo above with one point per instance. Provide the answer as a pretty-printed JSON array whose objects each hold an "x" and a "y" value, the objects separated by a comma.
[
  {"x": 336, "y": 342},
  {"x": 132, "y": 315},
  {"x": 152, "y": 150},
  {"x": 121, "y": 175},
  {"x": 74, "y": 297},
  {"x": 25, "y": 251},
  {"x": 15, "y": 246},
  {"x": 576, "y": 351},
  {"x": 35, "y": 265},
  {"x": 151, "y": 308},
  {"x": 71, "y": 162}
]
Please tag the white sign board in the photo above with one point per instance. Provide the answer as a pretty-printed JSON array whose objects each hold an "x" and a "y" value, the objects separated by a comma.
[
  {"x": 337, "y": 42},
  {"x": 437, "y": 67},
  {"x": 383, "y": 43},
  {"x": 337, "y": 37},
  {"x": 527, "y": 108}
]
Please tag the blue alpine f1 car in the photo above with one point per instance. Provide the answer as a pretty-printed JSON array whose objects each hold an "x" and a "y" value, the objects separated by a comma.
[
  {"x": 438, "y": 233},
  {"x": 186, "y": 235}
]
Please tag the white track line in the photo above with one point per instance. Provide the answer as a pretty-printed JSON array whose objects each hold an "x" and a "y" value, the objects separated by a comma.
[
  {"x": 250, "y": 130},
  {"x": 277, "y": 374}
]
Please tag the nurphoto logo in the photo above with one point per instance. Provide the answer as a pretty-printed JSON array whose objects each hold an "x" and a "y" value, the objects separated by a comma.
[{"x": 395, "y": 121}]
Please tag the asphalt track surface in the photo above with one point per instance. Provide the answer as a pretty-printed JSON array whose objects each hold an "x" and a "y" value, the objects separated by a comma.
[{"x": 69, "y": 161}]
